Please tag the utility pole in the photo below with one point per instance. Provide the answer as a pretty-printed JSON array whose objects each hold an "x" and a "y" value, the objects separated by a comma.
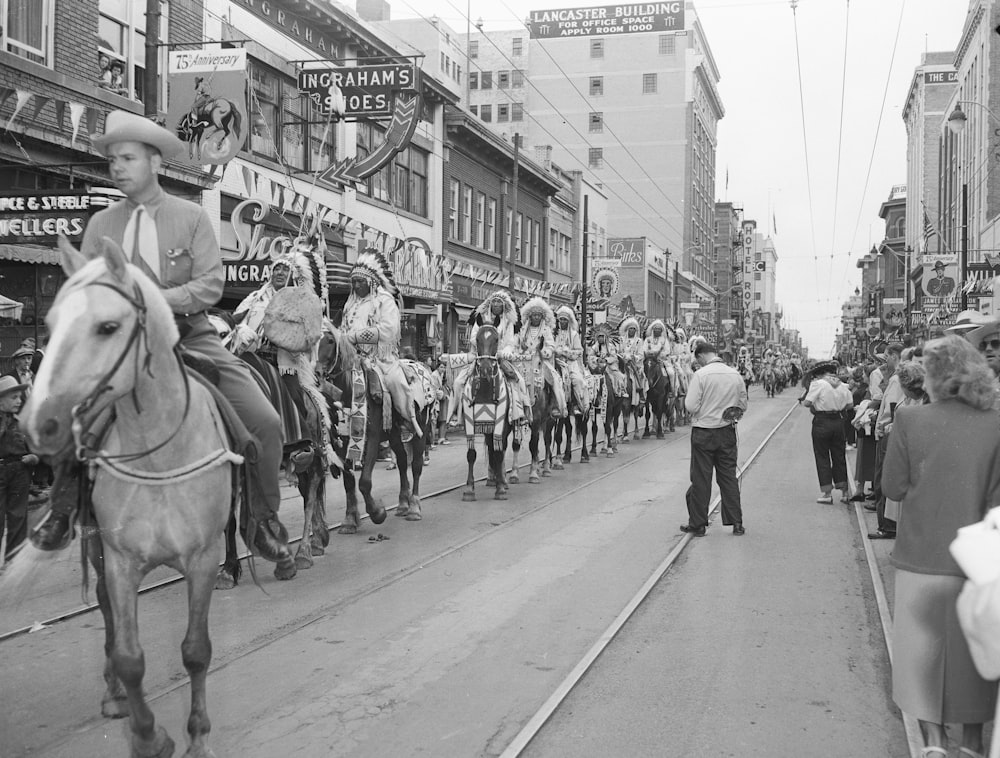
[
  {"x": 964, "y": 261},
  {"x": 513, "y": 207},
  {"x": 583, "y": 282},
  {"x": 151, "y": 74}
]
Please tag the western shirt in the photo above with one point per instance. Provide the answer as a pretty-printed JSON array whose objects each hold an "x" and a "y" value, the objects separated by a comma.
[
  {"x": 713, "y": 388},
  {"x": 823, "y": 396},
  {"x": 191, "y": 272}
]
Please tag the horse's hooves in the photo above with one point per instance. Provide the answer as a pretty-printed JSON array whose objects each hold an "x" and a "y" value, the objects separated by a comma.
[
  {"x": 584, "y": 459},
  {"x": 414, "y": 516},
  {"x": 161, "y": 747},
  {"x": 546, "y": 472},
  {"x": 646, "y": 435},
  {"x": 500, "y": 495},
  {"x": 659, "y": 436},
  {"x": 347, "y": 529},
  {"x": 534, "y": 479},
  {"x": 377, "y": 514},
  {"x": 514, "y": 479},
  {"x": 316, "y": 549},
  {"x": 401, "y": 510},
  {"x": 557, "y": 466},
  {"x": 223, "y": 581},
  {"x": 625, "y": 440},
  {"x": 285, "y": 570},
  {"x": 468, "y": 496},
  {"x": 115, "y": 707},
  {"x": 302, "y": 562}
]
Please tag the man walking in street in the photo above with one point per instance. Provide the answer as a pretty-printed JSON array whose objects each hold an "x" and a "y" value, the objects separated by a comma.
[{"x": 716, "y": 399}]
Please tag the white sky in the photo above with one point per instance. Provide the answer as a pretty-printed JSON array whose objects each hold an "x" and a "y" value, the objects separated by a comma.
[{"x": 761, "y": 136}]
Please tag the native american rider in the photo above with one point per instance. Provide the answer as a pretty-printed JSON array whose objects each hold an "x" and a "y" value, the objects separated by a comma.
[
  {"x": 569, "y": 353},
  {"x": 499, "y": 311},
  {"x": 371, "y": 322},
  {"x": 604, "y": 347},
  {"x": 631, "y": 350},
  {"x": 536, "y": 339},
  {"x": 658, "y": 344}
]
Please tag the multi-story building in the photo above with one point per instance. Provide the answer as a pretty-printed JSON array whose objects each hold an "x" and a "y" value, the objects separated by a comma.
[
  {"x": 727, "y": 270},
  {"x": 637, "y": 109}
]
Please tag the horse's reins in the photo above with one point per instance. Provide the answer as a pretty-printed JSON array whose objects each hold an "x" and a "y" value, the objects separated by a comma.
[{"x": 136, "y": 338}]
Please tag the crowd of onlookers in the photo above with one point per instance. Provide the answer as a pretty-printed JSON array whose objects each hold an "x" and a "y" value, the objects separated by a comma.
[{"x": 924, "y": 422}]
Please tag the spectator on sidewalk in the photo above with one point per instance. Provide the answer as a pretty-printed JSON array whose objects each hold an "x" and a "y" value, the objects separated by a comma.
[
  {"x": 716, "y": 399},
  {"x": 863, "y": 423},
  {"x": 15, "y": 463},
  {"x": 943, "y": 465},
  {"x": 828, "y": 399},
  {"x": 878, "y": 384}
]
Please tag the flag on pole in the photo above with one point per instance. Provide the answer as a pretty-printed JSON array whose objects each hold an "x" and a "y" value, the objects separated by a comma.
[
  {"x": 774, "y": 222},
  {"x": 727, "y": 178},
  {"x": 928, "y": 232}
]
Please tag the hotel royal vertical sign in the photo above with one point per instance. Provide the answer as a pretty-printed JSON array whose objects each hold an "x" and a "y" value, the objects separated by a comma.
[{"x": 625, "y": 18}]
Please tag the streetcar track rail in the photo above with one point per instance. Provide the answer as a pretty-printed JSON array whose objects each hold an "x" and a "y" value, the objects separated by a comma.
[{"x": 169, "y": 581}]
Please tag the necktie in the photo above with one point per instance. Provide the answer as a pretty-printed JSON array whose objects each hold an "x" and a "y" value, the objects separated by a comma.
[{"x": 141, "y": 242}]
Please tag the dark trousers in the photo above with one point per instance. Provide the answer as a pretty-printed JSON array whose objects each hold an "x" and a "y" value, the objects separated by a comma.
[
  {"x": 829, "y": 447},
  {"x": 850, "y": 433},
  {"x": 14, "y": 482},
  {"x": 713, "y": 449},
  {"x": 885, "y": 524}
]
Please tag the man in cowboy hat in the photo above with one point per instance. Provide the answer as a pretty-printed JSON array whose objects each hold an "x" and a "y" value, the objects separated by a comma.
[
  {"x": 371, "y": 320},
  {"x": 986, "y": 339},
  {"x": 940, "y": 285},
  {"x": 171, "y": 240},
  {"x": 15, "y": 458}
]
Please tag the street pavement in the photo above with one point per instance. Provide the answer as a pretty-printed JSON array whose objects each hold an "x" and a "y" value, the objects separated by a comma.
[{"x": 446, "y": 640}]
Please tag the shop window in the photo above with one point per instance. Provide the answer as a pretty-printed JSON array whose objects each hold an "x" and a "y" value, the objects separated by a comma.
[
  {"x": 27, "y": 29},
  {"x": 121, "y": 43}
]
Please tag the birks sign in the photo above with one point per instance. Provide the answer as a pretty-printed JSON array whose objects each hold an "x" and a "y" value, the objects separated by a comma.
[
  {"x": 368, "y": 91},
  {"x": 630, "y": 251},
  {"x": 626, "y": 18}
]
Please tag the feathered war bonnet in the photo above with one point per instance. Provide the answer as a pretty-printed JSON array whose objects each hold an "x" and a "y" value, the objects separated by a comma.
[
  {"x": 657, "y": 322},
  {"x": 484, "y": 314},
  {"x": 308, "y": 267},
  {"x": 538, "y": 305},
  {"x": 564, "y": 311},
  {"x": 631, "y": 321},
  {"x": 605, "y": 329},
  {"x": 374, "y": 268}
]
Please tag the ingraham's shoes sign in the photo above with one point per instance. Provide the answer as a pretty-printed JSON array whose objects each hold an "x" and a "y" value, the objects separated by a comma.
[{"x": 208, "y": 107}]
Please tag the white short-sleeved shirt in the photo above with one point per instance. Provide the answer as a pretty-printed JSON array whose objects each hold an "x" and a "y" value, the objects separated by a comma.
[{"x": 825, "y": 397}]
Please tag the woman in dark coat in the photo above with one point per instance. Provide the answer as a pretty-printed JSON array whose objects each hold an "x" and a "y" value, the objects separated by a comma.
[{"x": 943, "y": 465}]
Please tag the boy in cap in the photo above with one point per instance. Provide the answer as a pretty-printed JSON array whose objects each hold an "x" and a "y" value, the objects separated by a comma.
[
  {"x": 171, "y": 240},
  {"x": 15, "y": 477}
]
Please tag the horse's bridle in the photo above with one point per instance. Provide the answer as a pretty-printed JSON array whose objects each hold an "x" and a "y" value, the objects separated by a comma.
[{"x": 136, "y": 338}]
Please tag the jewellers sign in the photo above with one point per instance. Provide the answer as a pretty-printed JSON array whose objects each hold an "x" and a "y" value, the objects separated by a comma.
[
  {"x": 368, "y": 91},
  {"x": 626, "y": 18},
  {"x": 39, "y": 218}
]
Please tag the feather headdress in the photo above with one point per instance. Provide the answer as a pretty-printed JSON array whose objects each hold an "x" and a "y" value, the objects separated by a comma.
[
  {"x": 631, "y": 321},
  {"x": 308, "y": 267},
  {"x": 564, "y": 311},
  {"x": 656, "y": 322},
  {"x": 371, "y": 265},
  {"x": 484, "y": 314},
  {"x": 538, "y": 305}
]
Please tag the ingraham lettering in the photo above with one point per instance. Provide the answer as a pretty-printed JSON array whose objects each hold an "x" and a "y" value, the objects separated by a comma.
[{"x": 359, "y": 77}]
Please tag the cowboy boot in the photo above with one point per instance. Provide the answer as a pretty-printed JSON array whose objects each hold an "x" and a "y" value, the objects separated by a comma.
[{"x": 56, "y": 530}]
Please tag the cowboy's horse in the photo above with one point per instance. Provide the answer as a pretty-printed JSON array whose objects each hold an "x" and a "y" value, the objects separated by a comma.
[
  {"x": 658, "y": 395},
  {"x": 162, "y": 492}
]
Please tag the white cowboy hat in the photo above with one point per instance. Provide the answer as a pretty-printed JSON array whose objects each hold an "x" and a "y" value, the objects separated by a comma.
[
  {"x": 967, "y": 320},
  {"x": 122, "y": 126}
]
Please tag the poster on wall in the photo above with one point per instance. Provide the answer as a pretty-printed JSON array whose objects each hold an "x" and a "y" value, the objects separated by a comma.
[
  {"x": 605, "y": 285},
  {"x": 940, "y": 278},
  {"x": 208, "y": 103}
]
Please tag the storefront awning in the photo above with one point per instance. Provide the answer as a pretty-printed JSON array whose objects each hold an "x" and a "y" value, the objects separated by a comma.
[
  {"x": 463, "y": 311},
  {"x": 422, "y": 309},
  {"x": 29, "y": 254}
]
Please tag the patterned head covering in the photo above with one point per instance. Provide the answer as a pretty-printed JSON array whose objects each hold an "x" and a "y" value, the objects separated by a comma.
[
  {"x": 604, "y": 329},
  {"x": 538, "y": 305},
  {"x": 631, "y": 321},
  {"x": 308, "y": 268},
  {"x": 372, "y": 267}
]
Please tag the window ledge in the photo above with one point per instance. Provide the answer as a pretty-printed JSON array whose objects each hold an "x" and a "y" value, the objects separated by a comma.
[{"x": 72, "y": 83}]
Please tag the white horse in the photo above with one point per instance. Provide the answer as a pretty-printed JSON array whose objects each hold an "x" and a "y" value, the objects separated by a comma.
[{"x": 163, "y": 487}]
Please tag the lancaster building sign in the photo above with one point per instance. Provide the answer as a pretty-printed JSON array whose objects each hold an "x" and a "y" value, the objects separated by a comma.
[{"x": 626, "y": 18}]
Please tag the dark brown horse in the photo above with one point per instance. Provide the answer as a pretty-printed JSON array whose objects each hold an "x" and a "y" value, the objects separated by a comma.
[
  {"x": 581, "y": 412},
  {"x": 658, "y": 395},
  {"x": 542, "y": 423}
]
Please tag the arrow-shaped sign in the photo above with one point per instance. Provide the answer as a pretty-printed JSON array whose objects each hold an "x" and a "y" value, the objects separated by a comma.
[{"x": 405, "y": 116}]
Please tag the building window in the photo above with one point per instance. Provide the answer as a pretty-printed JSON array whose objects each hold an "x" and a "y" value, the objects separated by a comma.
[
  {"x": 467, "y": 215},
  {"x": 376, "y": 186},
  {"x": 756, "y": 276},
  {"x": 26, "y": 29},
  {"x": 517, "y": 46},
  {"x": 503, "y": 79},
  {"x": 507, "y": 224},
  {"x": 597, "y": 85},
  {"x": 480, "y": 219},
  {"x": 516, "y": 78},
  {"x": 517, "y": 111},
  {"x": 503, "y": 112},
  {"x": 518, "y": 228},
  {"x": 486, "y": 80},
  {"x": 491, "y": 225},
  {"x": 756, "y": 296},
  {"x": 474, "y": 110},
  {"x": 536, "y": 229},
  {"x": 473, "y": 80},
  {"x": 456, "y": 191},
  {"x": 648, "y": 84},
  {"x": 121, "y": 39},
  {"x": 596, "y": 158},
  {"x": 486, "y": 112},
  {"x": 667, "y": 44},
  {"x": 402, "y": 184},
  {"x": 473, "y": 48},
  {"x": 597, "y": 48},
  {"x": 596, "y": 121}
]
